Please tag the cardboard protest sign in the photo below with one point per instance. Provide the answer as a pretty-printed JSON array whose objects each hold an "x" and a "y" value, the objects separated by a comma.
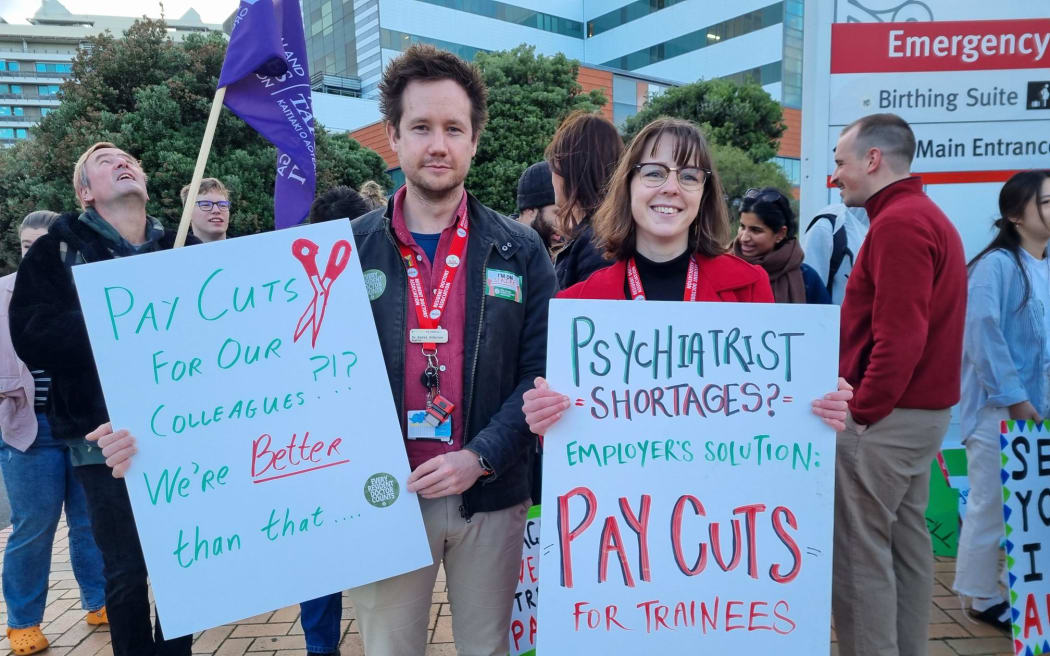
[
  {"x": 1026, "y": 501},
  {"x": 688, "y": 491},
  {"x": 523, "y": 612},
  {"x": 271, "y": 466}
]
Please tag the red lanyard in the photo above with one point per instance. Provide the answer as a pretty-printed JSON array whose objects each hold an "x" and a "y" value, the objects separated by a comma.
[
  {"x": 634, "y": 281},
  {"x": 429, "y": 318}
]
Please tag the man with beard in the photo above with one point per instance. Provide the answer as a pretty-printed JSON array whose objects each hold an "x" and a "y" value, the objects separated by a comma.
[
  {"x": 462, "y": 319},
  {"x": 536, "y": 202}
]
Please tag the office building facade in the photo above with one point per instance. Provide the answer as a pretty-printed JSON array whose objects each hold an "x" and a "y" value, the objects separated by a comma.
[{"x": 36, "y": 58}]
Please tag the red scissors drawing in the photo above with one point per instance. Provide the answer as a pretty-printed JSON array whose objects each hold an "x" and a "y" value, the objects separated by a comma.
[{"x": 306, "y": 251}]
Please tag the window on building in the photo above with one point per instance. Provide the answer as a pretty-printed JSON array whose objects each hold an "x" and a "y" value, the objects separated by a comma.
[
  {"x": 708, "y": 36},
  {"x": 44, "y": 111},
  {"x": 760, "y": 75},
  {"x": 47, "y": 67},
  {"x": 394, "y": 40},
  {"x": 8, "y": 65},
  {"x": 515, "y": 14},
  {"x": 626, "y": 14},
  {"x": 791, "y": 84},
  {"x": 5, "y": 111},
  {"x": 7, "y": 133},
  {"x": 792, "y": 169},
  {"x": 11, "y": 89},
  {"x": 21, "y": 133},
  {"x": 48, "y": 89}
]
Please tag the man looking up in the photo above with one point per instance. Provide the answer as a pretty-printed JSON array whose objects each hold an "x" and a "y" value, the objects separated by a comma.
[
  {"x": 211, "y": 211},
  {"x": 48, "y": 332},
  {"x": 901, "y": 349}
]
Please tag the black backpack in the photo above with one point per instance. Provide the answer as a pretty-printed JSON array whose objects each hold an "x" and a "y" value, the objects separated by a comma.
[{"x": 839, "y": 250}]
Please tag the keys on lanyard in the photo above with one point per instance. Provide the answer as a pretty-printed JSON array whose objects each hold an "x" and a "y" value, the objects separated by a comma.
[
  {"x": 438, "y": 407},
  {"x": 430, "y": 333}
]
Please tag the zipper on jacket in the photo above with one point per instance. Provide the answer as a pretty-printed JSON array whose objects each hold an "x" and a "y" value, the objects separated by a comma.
[{"x": 464, "y": 510}]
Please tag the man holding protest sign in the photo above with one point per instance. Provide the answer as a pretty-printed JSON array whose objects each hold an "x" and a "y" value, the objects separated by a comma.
[
  {"x": 48, "y": 332},
  {"x": 467, "y": 440},
  {"x": 440, "y": 332},
  {"x": 901, "y": 349}
]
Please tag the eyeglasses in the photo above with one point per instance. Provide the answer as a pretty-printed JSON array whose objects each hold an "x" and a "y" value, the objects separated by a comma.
[
  {"x": 206, "y": 205},
  {"x": 655, "y": 175}
]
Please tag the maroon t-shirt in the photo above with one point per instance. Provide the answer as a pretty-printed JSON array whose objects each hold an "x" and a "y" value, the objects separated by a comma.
[{"x": 453, "y": 320}]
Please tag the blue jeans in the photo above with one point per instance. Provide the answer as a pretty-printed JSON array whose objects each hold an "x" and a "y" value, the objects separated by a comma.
[
  {"x": 38, "y": 483},
  {"x": 127, "y": 592},
  {"x": 320, "y": 620}
]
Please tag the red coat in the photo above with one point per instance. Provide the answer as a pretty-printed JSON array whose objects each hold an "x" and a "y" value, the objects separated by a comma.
[{"x": 724, "y": 278}]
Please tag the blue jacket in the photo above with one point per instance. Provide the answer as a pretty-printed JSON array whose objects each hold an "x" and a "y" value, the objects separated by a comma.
[{"x": 1004, "y": 354}]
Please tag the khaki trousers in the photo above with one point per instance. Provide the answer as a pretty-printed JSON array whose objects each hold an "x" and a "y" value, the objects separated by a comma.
[
  {"x": 481, "y": 559},
  {"x": 883, "y": 566}
]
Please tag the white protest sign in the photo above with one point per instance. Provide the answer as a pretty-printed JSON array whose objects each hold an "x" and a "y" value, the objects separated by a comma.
[
  {"x": 271, "y": 466},
  {"x": 1026, "y": 500},
  {"x": 688, "y": 491},
  {"x": 526, "y": 597},
  {"x": 971, "y": 77}
]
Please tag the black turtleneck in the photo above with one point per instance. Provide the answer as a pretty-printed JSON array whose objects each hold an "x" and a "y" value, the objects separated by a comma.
[{"x": 661, "y": 281}]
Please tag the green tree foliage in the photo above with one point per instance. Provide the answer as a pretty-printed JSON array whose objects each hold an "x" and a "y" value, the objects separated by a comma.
[
  {"x": 739, "y": 173},
  {"x": 730, "y": 113},
  {"x": 529, "y": 96},
  {"x": 151, "y": 97}
]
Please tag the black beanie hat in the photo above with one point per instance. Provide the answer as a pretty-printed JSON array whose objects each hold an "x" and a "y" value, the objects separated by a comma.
[{"x": 534, "y": 187}]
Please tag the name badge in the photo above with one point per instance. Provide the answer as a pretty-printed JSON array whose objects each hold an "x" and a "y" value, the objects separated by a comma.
[{"x": 428, "y": 336}]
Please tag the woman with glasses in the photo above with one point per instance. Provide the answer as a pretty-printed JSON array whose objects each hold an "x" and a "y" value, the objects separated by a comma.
[
  {"x": 768, "y": 237},
  {"x": 211, "y": 211},
  {"x": 664, "y": 223},
  {"x": 1005, "y": 374}
]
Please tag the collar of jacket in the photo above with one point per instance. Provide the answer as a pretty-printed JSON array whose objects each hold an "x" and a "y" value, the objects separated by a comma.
[
  {"x": 888, "y": 194},
  {"x": 482, "y": 227},
  {"x": 724, "y": 273}
]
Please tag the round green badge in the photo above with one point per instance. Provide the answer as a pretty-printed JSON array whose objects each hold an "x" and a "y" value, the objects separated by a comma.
[
  {"x": 381, "y": 490},
  {"x": 375, "y": 283}
]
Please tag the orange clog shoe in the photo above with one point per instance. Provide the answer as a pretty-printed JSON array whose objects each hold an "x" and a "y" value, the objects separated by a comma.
[
  {"x": 96, "y": 617},
  {"x": 27, "y": 641}
]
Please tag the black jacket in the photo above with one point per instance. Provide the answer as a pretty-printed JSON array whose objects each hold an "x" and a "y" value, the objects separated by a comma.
[
  {"x": 580, "y": 258},
  {"x": 506, "y": 341},
  {"x": 47, "y": 324}
]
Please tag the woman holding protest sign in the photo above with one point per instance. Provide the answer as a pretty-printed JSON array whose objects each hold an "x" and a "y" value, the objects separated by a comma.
[
  {"x": 38, "y": 475},
  {"x": 1006, "y": 363},
  {"x": 664, "y": 222},
  {"x": 768, "y": 237}
]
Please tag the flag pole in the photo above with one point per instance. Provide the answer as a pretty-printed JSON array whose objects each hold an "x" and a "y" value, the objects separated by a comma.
[{"x": 198, "y": 171}]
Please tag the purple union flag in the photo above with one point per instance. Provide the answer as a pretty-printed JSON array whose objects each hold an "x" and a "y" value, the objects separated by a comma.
[{"x": 267, "y": 80}]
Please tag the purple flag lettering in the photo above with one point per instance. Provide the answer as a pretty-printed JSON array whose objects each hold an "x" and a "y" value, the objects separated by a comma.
[{"x": 267, "y": 80}]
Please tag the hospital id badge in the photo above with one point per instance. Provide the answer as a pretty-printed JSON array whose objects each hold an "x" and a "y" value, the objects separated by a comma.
[
  {"x": 417, "y": 428},
  {"x": 428, "y": 336}
]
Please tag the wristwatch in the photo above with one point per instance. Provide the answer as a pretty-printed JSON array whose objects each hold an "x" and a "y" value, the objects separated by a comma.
[{"x": 486, "y": 468}]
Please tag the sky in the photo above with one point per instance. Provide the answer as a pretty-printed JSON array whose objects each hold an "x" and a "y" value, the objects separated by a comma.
[{"x": 211, "y": 11}]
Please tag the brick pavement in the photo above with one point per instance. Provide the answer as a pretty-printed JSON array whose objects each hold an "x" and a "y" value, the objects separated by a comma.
[{"x": 278, "y": 633}]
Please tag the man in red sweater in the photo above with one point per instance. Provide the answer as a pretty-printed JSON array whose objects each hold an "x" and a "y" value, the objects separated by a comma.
[{"x": 901, "y": 349}]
